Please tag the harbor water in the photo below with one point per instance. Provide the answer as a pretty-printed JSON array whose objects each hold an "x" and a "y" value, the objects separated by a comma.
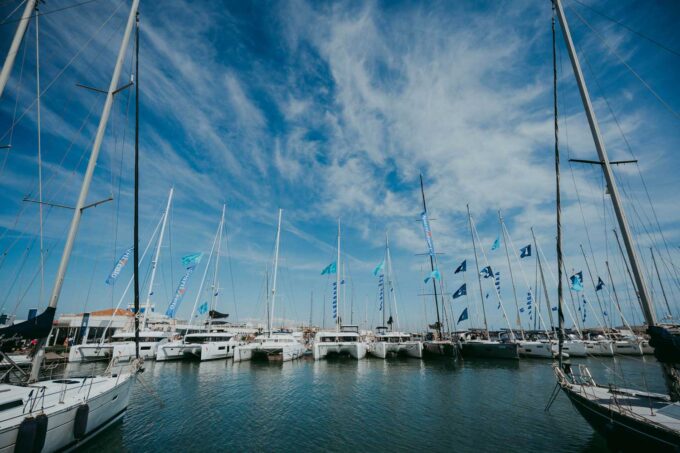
[{"x": 361, "y": 406}]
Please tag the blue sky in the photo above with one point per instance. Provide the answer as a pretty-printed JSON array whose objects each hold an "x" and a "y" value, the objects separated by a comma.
[{"x": 333, "y": 109}]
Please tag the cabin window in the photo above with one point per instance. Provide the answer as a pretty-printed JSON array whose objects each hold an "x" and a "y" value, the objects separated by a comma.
[
  {"x": 145, "y": 348},
  {"x": 11, "y": 404},
  {"x": 221, "y": 348}
]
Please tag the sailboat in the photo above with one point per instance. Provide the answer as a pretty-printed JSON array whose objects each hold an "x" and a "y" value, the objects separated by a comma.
[
  {"x": 215, "y": 342},
  {"x": 387, "y": 342},
  {"x": 436, "y": 345},
  {"x": 345, "y": 339},
  {"x": 55, "y": 414},
  {"x": 628, "y": 419},
  {"x": 278, "y": 346},
  {"x": 506, "y": 348}
]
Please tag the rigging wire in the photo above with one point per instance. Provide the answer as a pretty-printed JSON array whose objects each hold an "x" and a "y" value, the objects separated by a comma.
[
  {"x": 46, "y": 13},
  {"x": 40, "y": 187},
  {"x": 231, "y": 271},
  {"x": 635, "y": 32}
]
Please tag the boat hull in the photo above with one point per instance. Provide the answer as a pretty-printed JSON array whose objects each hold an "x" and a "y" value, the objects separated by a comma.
[
  {"x": 600, "y": 348},
  {"x": 356, "y": 350},
  {"x": 434, "y": 349},
  {"x": 491, "y": 349},
  {"x": 383, "y": 349},
  {"x": 90, "y": 353},
  {"x": 575, "y": 348},
  {"x": 282, "y": 353},
  {"x": 626, "y": 347},
  {"x": 539, "y": 350}
]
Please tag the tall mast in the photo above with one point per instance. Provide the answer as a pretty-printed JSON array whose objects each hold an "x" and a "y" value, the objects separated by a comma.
[
  {"x": 479, "y": 279},
  {"x": 16, "y": 42},
  {"x": 645, "y": 299},
  {"x": 385, "y": 279},
  {"x": 512, "y": 279},
  {"x": 136, "y": 214},
  {"x": 391, "y": 291},
  {"x": 87, "y": 179},
  {"x": 434, "y": 281},
  {"x": 154, "y": 263},
  {"x": 276, "y": 268},
  {"x": 337, "y": 283},
  {"x": 215, "y": 284}
]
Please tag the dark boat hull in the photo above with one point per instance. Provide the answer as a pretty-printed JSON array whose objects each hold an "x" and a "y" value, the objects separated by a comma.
[
  {"x": 621, "y": 432},
  {"x": 491, "y": 350},
  {"x": 432, "y": 349}
]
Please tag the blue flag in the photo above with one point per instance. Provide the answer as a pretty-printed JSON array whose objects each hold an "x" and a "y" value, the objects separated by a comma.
[
  {"x": 600, "y": 284},
  {"x": 463, "y": 316},
  {"x": 433, "y": 275},
  {"x": 486, "y": 272},
  {"x": 462, "y": 267},
  {"x": 577, "y": 281},
  {"x": 428, "y": 233},
  {"x": 119, "y": 266},
  {"x": 496, "y": 244},
  {"x": 330, "y": 269},
  {"x": 203, "y": 309},
  {"x": 525, "y": 251},
  {"x": 378, "y": 269},
  {"x": 498, "y": 281},
  {"x": 462, "y": 291},
  {"x": 192, "y": 259}
]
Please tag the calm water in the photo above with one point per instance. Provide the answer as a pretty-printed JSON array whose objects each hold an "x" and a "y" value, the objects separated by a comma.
[{"x": 368, "y": 405}]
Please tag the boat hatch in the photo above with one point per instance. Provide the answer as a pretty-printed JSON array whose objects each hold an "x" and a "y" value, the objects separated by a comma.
[
  {"x": 11, "y": 404},
  {"x": 672, "y": 411},
  {"x": 66, "y": 381}
]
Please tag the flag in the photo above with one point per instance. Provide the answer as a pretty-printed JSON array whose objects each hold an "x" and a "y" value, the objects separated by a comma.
[
  {"x": 600, "y": 284},
  {"x": 433, "y": 275},
  {"x": 521, "y": 310},
  {"x": 529, "y": 298},
  {"x": 335, "y": 297},
  {"x": 203, "y": 309},
  {"x": 577, "y": 281},
  {"x": 462, "y": 267},
  {"x": 330, "y": 269},
  {"x": 554, "y": 308},
  {"x": 496, "y": 244},
  {"x": 605, "y": 313},
  {"x": 119, "y": 266},
  {"x": 525, "y": 251},
  {"x": 486, "y": 272},
  {"x": 462, "y": 291},
  {"x": 381, "y": 289},
  {"x": 379, "y": 268},
  {"x": 497, "y": 276},
  {"x": 463, "y": 316},
  {"x": 428, "y": 232},
  {"x": 192, "y": 259},
  {"x": 179, "y": 293}
]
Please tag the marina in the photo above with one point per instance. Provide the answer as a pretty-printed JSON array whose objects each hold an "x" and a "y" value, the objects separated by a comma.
[{"x": 356, "y": 245}]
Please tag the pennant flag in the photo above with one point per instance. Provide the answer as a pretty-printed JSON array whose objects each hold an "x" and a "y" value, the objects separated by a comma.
[
  {"x": 521, "y": 310},
  {"x": 496, "y": 244},
  {"x": 486, "y": 272},
  {"x": 554, "y": 308},
  {"x": 605, "y": 313},
  {"x": 433, "y": 275},
  {"x": 525, "y": 251},
  {"x": 462, "y": 291},
  {"x": 600, "y": 284},
  {"x": 203, "y": 309},
  {"x": 463, "y": 316},
  {"x": 462, "y": 267},
  {"x": 179, "y": 293},
  {"x": 192, "y": 259},
  {"x": 498, "y": 281},
  {"x": 335, "y": 296},
  {"x": 577, "y": 281},
  {"x": 381, "y": 289},
  {"x": 122, "y": 261},
  {"x": 428, "y": 232},
  {"x": 378, "y": 269},
  {"x": 529, "y": 298},
  {"x": 330, "y": 269}
]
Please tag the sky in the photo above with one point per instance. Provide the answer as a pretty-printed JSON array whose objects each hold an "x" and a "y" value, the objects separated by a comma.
[{"x": 333, "y": 110}]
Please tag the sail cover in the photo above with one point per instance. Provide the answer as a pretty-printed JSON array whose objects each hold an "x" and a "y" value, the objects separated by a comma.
[
  {"x": 35, "y": 328},
  {"x": 214, "y": 314}
]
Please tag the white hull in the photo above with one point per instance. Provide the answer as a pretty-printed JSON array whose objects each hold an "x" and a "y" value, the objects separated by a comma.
[
  {"x": 356, "y": 350},
  {"x": 213, "y": 350},
  {"x": 384, "y": 349},
  {"x": 600, "y": 348},
  {"x": 126, "y": 351},
  {"x": 539, "y": 350},
  {"x": 627, "y": 347},
  {"x": 106, "y": 397},
  {"x": 646, "y": 348},
  {"x": 281, "y": 352},
  {"x": 90, "y": 352},
  {"x": 575, "y": 348}
]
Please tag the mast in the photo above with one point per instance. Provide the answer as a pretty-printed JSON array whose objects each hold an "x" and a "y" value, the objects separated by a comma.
[
  {"x": 16, "y": 42},
  {"x": 388, "y": 264},
  {"x": 385, "y": 278},
  {"x": 337, "y": 284},
  {"x": 311, "y": 307},
  {"x": 434, "y": 280},
  {"x": 514, "y": 290},
  {"x": 558, "y": 206},
  {"x": 85, "y": 187},
  {"x": 276, "y": 268},
  {"x": 135, "y": 268},
  {"x": 641, "y": 284},
  {"x": 479, "y": 279},
  {"x": 545, "y": 288},
  {"x": 663, "y": 291},
  {"x": 215, "y": 285},
  {"x": 154, "y": 263}
]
